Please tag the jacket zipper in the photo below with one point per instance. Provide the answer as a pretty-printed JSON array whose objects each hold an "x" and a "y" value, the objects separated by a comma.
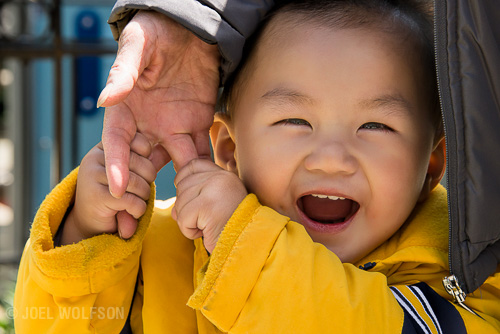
[{"x": 453, "y": 283}]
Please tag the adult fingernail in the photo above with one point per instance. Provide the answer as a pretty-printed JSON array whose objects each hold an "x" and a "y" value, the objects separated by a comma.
[
  {"x": 112, "y": 194},
  {"x": 104, "y": 95}
]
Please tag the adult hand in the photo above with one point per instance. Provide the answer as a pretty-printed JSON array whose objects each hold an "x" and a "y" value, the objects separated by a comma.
[{"x": 163, "y": 84}]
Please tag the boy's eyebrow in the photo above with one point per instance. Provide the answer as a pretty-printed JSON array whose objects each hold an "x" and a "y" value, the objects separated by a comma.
[
  {"x": 286, "y": 95},
  {"x": 391, "y": 104}
]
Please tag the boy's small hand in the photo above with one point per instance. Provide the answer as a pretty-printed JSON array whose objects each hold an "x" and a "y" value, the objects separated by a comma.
[
  {"x": 207, "y": 196},
  {"x": 95, "y": 210}
]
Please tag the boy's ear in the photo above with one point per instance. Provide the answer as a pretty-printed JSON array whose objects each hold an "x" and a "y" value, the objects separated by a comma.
[
  {"x": 223, "y": 143},
  {"x": 435, "y": 170}
]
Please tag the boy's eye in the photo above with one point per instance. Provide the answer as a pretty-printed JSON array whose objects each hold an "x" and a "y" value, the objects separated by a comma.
[
  {"x": 294, "y": 121},
  {"x": 375, "y": 126}
]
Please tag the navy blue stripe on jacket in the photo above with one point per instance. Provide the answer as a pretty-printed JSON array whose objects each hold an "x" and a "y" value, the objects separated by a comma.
[{"x": 426, "y": 312}]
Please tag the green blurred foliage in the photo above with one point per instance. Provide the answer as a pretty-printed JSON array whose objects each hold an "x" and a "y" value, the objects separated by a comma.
[{"x": 7, "y": 286}]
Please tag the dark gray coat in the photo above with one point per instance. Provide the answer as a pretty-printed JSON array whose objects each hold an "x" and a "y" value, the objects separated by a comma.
[{"x": 468, "y": 64}]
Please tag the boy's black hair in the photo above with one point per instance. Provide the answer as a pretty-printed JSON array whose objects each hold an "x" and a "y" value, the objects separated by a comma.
[{"x": 410, "y": 19}]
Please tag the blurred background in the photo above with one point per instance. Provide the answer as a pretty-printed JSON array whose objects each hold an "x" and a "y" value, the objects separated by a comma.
[{"x": 54, "y": 60}]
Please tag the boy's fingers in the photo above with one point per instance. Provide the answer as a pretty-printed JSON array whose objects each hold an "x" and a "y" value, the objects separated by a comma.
[
  {"x": 99, "y": 173},
  {"x": 194, "y": 167},
  {"x": 141, "y": 145},
  {"x": 139, "y": 186},
  {"x": 185, "y": 196},
  {"x": 187, "y": 221},
  {"x": 129, "y": 202},
  {"x": 174, "y": 213},
  {"x": 192, "y": 222},
  {"x": 127, "y": 224},
  {"x": 197, "y": 180},
  {"x": 191, "y": 233},
  {"x": 142, "y": 167}
]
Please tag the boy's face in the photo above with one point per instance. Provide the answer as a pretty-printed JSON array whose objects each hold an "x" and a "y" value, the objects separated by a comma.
[{"x": 338, "y": 113}]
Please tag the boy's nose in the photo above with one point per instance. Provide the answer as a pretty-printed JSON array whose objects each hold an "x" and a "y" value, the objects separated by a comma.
[{"x": 331, "y": 157}]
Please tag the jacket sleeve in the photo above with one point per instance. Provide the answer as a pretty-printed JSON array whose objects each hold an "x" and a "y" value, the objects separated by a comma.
[
  {"x": 267, "y": 276},
  {"x": 85, "y": 287},
  {"x": 226, "y": 23}
]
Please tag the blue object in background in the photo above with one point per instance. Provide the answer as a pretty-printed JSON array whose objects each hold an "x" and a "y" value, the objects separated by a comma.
[
  {"x": 87, "y": 67},
  {"x": 87, "y": 26}
]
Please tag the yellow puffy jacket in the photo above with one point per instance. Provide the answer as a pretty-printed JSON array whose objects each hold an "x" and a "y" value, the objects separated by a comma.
[{"x": 265, "y": 276}]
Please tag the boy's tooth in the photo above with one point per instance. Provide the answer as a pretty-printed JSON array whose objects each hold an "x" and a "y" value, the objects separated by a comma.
[{"x": 334, "y": 198}]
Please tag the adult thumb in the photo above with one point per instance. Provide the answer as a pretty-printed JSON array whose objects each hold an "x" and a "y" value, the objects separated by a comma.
[
  {"x": 117, "y": 134},
  {"x": 126, "y": 68}
]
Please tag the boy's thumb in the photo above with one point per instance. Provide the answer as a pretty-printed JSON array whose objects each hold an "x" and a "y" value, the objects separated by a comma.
[{"x": 127, "y": 224}]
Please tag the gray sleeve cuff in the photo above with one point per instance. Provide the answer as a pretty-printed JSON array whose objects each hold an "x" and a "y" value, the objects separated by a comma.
[{"x": 226, "y": 23}]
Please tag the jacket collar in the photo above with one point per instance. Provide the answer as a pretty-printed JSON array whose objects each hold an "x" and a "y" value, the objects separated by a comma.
[{"x": 422, "y": 240}]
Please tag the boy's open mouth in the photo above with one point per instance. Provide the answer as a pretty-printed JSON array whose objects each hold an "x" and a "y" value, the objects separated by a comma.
[{"x": 327, "y": 209}]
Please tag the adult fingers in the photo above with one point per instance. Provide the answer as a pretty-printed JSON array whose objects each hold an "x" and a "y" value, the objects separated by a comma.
[
  {"x": 181, "y": 149},
  {"x": 118, "y": 131},
  {"x": 126, "y": 224},
  {"x": 159, "y": 157},
  {"x": 202, "y": 143},
  {"x": 127, "y": 67},
  {"x": 184, "y": 147}
]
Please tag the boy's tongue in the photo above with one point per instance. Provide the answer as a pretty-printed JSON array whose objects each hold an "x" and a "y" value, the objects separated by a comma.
[{"x": 325, "y": 210}]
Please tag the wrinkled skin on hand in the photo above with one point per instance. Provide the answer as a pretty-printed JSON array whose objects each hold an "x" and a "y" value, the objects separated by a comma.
[{"x": 163, "y": 84}]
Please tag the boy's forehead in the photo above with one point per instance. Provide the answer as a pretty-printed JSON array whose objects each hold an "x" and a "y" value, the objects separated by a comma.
[
  {"x": 394, "y": 38},
  {"x": 284, "y": 35},
  {"x": 284, "y": 32},
  {"x": 279, "y": 29}
]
